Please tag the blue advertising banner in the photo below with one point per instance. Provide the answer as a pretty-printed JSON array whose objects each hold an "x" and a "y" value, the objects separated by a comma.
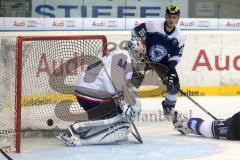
[{"x": 105, "y": 8}]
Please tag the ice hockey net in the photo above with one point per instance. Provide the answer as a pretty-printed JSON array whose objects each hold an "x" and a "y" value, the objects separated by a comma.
[{"x": 37, "y": 83}]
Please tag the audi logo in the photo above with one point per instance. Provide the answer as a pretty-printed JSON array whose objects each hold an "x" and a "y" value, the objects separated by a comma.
[
  {"x": 31, "y": 23},
  {"x": 202, "y": 24},
  {"x": 112, "y": 23},
  {"x": 70, "y": 23}
]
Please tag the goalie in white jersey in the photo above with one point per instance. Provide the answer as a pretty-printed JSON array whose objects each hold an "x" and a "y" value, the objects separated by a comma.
[{"x": 104, "y": 91}]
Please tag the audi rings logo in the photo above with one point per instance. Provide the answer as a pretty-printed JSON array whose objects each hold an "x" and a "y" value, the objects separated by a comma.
[
  {"x": 204, "y": 24},
  {"x": 70, "y": 23},
  {"x": 112, "y": 23},
  {"x": 31, "y": 23}
]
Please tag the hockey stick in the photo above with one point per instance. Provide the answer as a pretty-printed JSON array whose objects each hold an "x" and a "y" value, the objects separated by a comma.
[
  {"x": 164, "y": 70},
  {"x": 5, "y": 155},
  {"x": 197, "y": 104},
  {"x": 137, "y": 135}
]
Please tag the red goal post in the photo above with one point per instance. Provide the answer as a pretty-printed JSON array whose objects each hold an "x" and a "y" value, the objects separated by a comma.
[{"x": 47, "y": 50}]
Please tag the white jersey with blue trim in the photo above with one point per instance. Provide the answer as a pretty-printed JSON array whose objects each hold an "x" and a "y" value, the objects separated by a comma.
[
  {"x": 158, "y": 26},
  {"x": 118, "y": 65}
]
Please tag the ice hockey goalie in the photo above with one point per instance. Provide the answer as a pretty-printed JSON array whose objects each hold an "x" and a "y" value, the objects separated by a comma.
[{"x": 105, "y": 92}]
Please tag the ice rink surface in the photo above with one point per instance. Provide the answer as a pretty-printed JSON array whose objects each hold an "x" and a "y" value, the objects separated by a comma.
[{"x": 161, "y": 142}]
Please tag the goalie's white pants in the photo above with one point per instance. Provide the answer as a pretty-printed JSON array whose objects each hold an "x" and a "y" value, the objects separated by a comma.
[{"x": 101, "y": 131}]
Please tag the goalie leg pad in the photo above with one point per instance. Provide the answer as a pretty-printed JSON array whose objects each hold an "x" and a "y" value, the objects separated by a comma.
[
  {"x": 96, "y": 134},
  {"x": 103, "y": 134}
]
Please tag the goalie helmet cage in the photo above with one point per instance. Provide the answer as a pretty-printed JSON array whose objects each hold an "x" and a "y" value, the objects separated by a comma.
[{"x": 45, "y": 93}]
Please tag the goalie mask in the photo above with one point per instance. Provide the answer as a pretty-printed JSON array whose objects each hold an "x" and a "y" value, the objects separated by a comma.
[{"x": 137, "y": 49}]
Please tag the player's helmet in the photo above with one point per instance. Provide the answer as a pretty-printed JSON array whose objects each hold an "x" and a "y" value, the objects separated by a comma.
[{"x": 173, "y": 10}]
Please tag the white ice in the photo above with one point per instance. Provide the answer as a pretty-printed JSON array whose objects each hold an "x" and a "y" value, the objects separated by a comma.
[{"x": 160, "y": 140}]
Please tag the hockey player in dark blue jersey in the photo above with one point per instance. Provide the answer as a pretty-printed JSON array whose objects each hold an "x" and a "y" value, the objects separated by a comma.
[
  {"x": 154, "y": 43},
  {"x": 228, "y": 129}
]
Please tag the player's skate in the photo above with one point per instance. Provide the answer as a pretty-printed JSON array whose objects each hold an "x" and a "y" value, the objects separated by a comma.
[
  {"x": 168, "y": 110},
  {"x": 180, "y": 123}
]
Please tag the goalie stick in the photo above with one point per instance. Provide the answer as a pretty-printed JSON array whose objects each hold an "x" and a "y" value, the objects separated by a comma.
[
  {"x": 5, "y": 155},
  {"x": 136, "y": 134}
]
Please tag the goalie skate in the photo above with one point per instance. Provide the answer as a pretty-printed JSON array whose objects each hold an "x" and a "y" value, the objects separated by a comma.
[
  {"x": 180, "y": 123},
  {"x": 68, "y": 139}
]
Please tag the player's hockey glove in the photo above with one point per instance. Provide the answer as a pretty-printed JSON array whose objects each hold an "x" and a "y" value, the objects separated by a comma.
[
  {"x": 180, "y": 123},
  {"x": 169, "y": 79}
]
